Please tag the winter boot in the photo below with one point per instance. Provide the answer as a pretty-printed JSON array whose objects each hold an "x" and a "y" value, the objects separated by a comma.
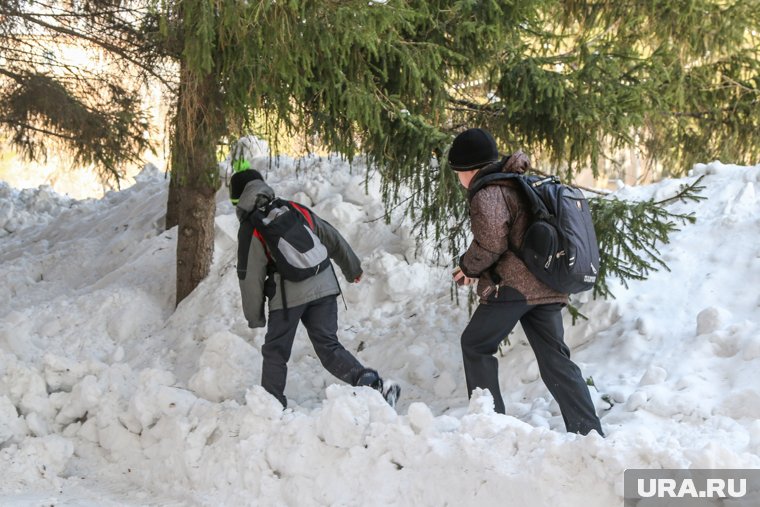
[
  {"x": 391, "y": 393},
  {"x": 370, "y": 377}
]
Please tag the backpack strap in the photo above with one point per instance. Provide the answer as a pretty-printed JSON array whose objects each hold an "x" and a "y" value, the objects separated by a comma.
[
  {"x": 537, "y": 207},
  {"x": 310, "y": 220},
  {"x": 488, "y": 179},
  {"x": 527, "y": 183},
  {"x": 304, "y": 211},
  {"x": 257, "y": 234}
]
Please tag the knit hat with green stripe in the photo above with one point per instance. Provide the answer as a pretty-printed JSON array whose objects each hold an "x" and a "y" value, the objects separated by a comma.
[
  {"x": 238, "y": 182},
  {"x": 240, "y": 164}
]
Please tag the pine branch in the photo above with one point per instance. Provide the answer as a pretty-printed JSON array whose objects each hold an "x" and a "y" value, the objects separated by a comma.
[
  {"x": 387, "y": 214},
  {"x": 687, "y": 193},
  {"x": 629, "y": 234},
  {"x": 13, "y": 123},
  {"x": 108, "y": 46},
  {"x": 587, "y": 189}
]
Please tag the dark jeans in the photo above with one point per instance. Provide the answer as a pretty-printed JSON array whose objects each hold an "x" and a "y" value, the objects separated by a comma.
[
  {"x": 542, "y": 324},
  {"x": 321, "y": 320}
]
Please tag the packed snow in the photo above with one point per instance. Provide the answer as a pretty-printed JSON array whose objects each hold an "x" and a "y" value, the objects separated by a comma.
[{"x": 110, "y": 396}]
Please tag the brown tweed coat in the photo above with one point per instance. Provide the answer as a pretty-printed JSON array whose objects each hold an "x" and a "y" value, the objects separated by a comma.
[{"x": 499, "y": 217}]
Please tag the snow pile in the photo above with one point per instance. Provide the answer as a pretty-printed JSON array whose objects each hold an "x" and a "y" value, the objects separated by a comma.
[
  {"x": 20, "y": 209},
  {"x": 110, "y": 397}
]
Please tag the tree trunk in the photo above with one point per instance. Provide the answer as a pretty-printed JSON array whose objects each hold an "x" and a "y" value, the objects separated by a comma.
[
  {"x": 195, "y": 176},
  {"x": 172, "y": 202}
]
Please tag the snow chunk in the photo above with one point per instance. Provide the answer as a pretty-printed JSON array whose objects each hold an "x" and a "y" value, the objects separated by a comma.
[
  {"x": 711, "y": 319},
  {"x": 9, "y": 420},
  {"x": 62, "y": 373},
  {"x": 47, "y": 455},
  {"x": 403, "y": 281},
  {"x": 6, "y": 212},
  {"x": 85, "y": 395},
  {"x": 263, "y": 404},
  {"x": 481, "y": 402},
  {"x": 421, "y": 418},
  {"x": 157, "y": 397},
  {"x": 741, "y": 403},
  {"x": 227, "y": 367},
  {"x": 347, "y": 413},
  {"x": 654, "y": 375}
]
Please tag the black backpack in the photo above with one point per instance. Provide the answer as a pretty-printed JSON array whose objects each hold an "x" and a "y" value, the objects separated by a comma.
[
  {"x": 287, "y": 230},
  {"x": 560, "y": 246}
]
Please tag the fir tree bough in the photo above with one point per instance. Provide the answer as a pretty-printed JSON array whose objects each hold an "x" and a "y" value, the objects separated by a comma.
[
  {"x": 629, "y": 234},
  {"x": 570, "y": 82}
]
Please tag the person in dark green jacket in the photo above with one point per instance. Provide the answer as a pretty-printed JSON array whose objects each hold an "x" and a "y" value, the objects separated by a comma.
[{"x": 312, "y": 301}]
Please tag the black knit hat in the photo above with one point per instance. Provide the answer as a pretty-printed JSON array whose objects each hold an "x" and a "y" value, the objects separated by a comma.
[
  {"x": 472, "y": 149},
  {"x": 239, "y": 180}
]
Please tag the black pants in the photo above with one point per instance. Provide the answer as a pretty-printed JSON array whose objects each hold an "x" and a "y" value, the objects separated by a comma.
[
  {"x": 542, "y": 324},
  {"x": 321, "y": 320}
]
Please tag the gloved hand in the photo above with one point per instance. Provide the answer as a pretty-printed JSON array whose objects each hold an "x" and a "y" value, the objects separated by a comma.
[{"x": 461, "y": 279}]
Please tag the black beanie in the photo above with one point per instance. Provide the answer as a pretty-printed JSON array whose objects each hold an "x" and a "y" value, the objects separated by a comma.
[
  {"x": 239, "y": 180},
  {"x": 472, "y": 149}
]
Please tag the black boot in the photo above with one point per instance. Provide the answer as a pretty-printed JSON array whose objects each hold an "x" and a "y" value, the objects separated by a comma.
[{"x": 370, "y": 377}]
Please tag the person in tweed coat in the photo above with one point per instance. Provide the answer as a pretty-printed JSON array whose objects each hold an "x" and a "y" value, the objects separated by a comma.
[{"x": 508, "y": 292}]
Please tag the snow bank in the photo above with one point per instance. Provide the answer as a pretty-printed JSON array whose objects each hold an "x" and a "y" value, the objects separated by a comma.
[{"x": 110, "y": 397}]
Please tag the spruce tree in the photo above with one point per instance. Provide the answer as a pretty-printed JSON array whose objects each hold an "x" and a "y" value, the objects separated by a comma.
[
  {"x": 366, "y": 78},
  {"x": 568, "y": 82},
  {"x": 572, "y": 82}
]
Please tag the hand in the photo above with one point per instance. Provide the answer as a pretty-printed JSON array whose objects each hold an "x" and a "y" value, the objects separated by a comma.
[{"x": 461, "y": 279}]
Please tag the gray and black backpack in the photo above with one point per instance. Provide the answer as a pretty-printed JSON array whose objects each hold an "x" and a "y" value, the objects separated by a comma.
[
  {"x": 560, "y": 246},
  {"x": 287, "y": 230}
]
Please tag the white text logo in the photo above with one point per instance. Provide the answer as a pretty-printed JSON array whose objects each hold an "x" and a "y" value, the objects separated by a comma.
[{"x": 670, "y": 488}]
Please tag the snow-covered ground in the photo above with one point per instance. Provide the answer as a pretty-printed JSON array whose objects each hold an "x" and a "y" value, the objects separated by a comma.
[{"x": 108, "y": 396}]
